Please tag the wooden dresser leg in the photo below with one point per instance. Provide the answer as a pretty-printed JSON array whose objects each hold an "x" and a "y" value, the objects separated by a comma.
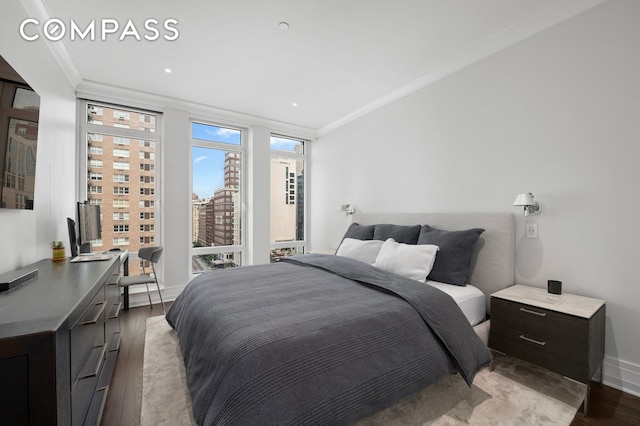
[{"x": 586, "y": 400}]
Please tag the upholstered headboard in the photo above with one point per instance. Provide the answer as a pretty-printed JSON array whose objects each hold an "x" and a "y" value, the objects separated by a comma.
[{"x": 493, "y": 262}]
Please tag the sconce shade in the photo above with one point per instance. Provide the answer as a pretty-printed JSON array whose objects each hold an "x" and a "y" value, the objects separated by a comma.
[
  {"x": 531, "y": 206},
  {"x": 525, "y": 199},
  {"x": 349, "y": 209}
]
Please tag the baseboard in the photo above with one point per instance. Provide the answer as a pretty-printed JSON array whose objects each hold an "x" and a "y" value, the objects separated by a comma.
[
  {"x": 621, "y": 375},
  {"x": 138, "y": 295}
]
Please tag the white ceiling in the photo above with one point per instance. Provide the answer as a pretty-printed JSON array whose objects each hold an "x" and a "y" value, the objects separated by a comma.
[{"x": 338, "y": 59}]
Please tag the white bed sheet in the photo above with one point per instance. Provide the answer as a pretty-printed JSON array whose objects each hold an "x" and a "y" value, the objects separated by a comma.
[{"x": 471, "y": 300}]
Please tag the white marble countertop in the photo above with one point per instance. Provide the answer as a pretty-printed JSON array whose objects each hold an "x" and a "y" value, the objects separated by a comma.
[{"x": 566, "y": 303}]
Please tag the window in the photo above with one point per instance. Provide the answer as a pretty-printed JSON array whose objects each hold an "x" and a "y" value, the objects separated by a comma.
[
  {"x": 121, "y": 203},
  {"x": 121, "y": 115},
  {"x": 218, "y": 197},
  {"x": 115, "y": 147},
  {"x": 287, "y": 184},
  {"x": 95, "y": 150},
  {"x": 121, "y": 241},
  {"x": 120, "y": 216},
  {"x": 120, "y": 141},
  {"x": 147, "y": 155}
]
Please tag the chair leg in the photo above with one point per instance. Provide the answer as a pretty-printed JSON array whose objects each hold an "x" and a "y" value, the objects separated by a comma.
[
  {"x": 149, "y": 295},
  {"x": 160, "y": 294}
]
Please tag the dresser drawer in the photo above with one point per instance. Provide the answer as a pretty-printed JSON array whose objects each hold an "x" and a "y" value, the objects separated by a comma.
[
  {"x": 87, "y": 334},
  {"x": 541, "y": 324}
]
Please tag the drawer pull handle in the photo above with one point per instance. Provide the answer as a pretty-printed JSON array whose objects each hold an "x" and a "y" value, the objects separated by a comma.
[
  {"x": 103, "y": 402},
  {"x": 115, "y": 342},
  {"x": 93, "y": 372},
  {"x": 528, "y": 339},
  {"x": 540, "y": 314},
  {"x": 115, "y": 311},
  {"x": 98, "y": 314}
]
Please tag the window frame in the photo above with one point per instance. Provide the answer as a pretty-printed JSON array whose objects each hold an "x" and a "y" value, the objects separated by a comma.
[
  {"x": 223, "y": 146},
  {"x": 275, "y": 153},
  {"x": 86, "y": 128}
]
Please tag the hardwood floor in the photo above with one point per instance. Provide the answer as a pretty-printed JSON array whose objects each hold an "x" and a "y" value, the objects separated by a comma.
[
  {"x": 609, "y": 406},
  {"x": 125, "y": 393}
]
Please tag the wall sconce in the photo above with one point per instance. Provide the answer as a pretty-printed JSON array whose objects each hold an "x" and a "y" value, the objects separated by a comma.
[
  {"x": 349, "y": 209},
  {"x": 530, "y": 205}
]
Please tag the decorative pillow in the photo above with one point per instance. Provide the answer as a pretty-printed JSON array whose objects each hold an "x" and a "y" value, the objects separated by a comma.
[
  {"x": 406, "y": 234},
  {"x": 363, "y": 250},
  {"x": 359, "y": 232},
  {"x": 411, "y": 261},
  {"x": 454, "y": 258}
]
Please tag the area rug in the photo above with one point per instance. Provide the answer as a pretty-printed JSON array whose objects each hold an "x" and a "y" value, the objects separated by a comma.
[{"x": 515, "y": 393}]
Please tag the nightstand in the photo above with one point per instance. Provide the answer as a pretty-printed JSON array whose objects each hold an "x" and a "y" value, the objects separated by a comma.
[{"x": 563, "y": 333}]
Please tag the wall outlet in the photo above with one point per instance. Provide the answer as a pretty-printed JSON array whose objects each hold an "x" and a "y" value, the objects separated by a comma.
[{"x": 531, "y": 230}]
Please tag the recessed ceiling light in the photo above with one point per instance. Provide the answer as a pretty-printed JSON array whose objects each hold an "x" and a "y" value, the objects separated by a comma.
[
  {"x": 295, "y": 104},
  {"x": 283, "y": 26},
  {"x": 167, "y": 70}
]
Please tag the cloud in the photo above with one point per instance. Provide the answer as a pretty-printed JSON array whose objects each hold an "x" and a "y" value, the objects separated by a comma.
[
  {"x": 220, "y": 131},
  {"x": 202, "y": 157},
  {"x": 283, "y": 144}
]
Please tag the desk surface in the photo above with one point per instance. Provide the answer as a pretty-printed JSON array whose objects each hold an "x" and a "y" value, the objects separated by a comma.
[{"x": 27, "y": 308}]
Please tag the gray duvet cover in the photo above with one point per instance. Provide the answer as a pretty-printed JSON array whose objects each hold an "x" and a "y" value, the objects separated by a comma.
[{"x": 315, "y": 339}]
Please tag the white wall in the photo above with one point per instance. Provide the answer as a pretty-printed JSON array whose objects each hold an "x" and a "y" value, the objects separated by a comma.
[
  {"x": 557, "y": 115},
  {"x": 26, "y": 235}
]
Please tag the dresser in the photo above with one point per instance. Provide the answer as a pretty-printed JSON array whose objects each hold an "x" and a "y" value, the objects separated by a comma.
[
  {"x": 563, "y": 333},
  {"x": 59, "y": 340}
]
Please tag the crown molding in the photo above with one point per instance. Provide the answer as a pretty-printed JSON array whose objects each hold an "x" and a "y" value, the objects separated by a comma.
[
  {"x": 117, "y": 95},
  {"x": 533, "y": 24},
  {"x": 37, "y": 9}
]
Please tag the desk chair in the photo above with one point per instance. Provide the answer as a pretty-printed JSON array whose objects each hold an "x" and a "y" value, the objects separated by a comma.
[{"x": 151, "y": 254}]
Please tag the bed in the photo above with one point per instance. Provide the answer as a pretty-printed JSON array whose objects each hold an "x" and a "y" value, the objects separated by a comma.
[{"x": 326, "y": 339}]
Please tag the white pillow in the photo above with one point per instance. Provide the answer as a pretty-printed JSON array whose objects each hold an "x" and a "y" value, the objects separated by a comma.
[
  {"x": 363, "y": 250},
  {"x": 409, "y": 260}
]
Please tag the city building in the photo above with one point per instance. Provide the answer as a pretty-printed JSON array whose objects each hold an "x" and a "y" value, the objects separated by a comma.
[{"x": 122, "y": 178}]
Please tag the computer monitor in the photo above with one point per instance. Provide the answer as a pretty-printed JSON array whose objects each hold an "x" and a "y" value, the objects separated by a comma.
[
  {"x": 89, "y": 227},
  {"x": 73, "y": 241}
]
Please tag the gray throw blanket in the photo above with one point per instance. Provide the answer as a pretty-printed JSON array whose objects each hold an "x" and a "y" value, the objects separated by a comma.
[{"x": 315, "y": 339}]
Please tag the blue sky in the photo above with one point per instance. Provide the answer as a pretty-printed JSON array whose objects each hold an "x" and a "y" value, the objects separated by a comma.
[{"x": 208, "y": 163}]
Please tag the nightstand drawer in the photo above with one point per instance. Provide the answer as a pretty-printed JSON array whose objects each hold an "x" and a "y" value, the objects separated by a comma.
[
  {"x": 541, "y": 324},
  {"x": 553, "y": 355}
]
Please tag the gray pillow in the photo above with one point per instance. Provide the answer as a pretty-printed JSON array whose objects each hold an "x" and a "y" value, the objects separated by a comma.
[
  {"x": 359, "y": 232},
  {"x": 407, "y": 234},
  {"x": 454, "y": 257}
]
